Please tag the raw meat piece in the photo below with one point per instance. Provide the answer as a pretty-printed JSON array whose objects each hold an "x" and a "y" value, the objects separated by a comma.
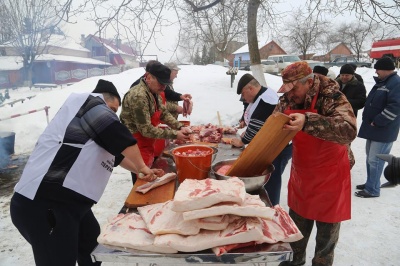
[
  {"x": 251, "y": 207},
  {"x": 195, "y": 194},
  {"x": 224, "y": 169},
  {"x": 218, "y": 251},
  {"x": 187, "y": 108},
  {"x": 241, "y": 231},
  {"x": 160, "y": 219},
  {"x": 156, "y": 183},
  {"x": 280, "y": 228},
  {"x": 130, "y": 231},
  {"x": 226, "y": 140},
  {"x": 193, "y": 153}
]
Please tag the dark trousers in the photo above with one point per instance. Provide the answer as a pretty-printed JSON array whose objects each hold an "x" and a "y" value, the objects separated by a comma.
[
  {"x": 326, "y": 240},
  {"x": 60, "y": 233},
  {"x": 273, "y": 186}
]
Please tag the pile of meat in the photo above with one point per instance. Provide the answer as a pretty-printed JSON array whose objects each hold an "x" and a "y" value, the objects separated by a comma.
[
  {"x": 193, "y": 153},
  {"x": 208, "y": 133},
  {"x": 204, "y": 214}
]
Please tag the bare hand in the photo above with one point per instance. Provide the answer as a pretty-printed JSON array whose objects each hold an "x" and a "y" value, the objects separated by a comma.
[
  {"x": 179, "y": 109},
  {"x": 146, "y": 174},
  {"x": 242, "y": 124},
  {"x": 158, "y": 172},
  {"x": 237, "y": 143},
  {"x": 183, "y": 136},
  {"x": 186, "y": 97},
  {"x": 296, "y": 123}
]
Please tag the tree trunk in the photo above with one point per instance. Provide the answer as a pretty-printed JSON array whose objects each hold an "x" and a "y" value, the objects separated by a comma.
[{"x": 254, "y": 51}]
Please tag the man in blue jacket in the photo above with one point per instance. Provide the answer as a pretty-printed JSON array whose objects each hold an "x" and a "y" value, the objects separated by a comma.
[{"x": 380, "y": 124}]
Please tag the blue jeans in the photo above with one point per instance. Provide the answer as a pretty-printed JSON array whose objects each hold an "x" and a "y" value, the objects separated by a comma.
[
  {"x": 375, "y": 165},
  {"x": 273, "y": 186}
]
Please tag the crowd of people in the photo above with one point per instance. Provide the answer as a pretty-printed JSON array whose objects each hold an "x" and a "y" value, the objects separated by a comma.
[{"x": 75, "y": 156}]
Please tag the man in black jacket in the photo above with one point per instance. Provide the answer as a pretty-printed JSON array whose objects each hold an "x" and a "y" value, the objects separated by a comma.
[{"x": 353, "y": 89}]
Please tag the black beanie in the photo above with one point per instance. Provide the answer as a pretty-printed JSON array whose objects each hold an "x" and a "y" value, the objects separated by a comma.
[
  {"x": 108, "y": 87},
  {"x": 320, "y": 70},
  {"x": 384, "y": 63},
  {"x": 347, "y": 69},
  {"x": 244, "y": 80}
]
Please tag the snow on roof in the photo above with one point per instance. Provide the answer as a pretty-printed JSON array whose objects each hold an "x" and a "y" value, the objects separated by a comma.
[
  {"x": 67, "y": 58},
  {"x": 65, "y": 42},
  {"x": 61, "y": 41},
  {"x": 245, "y": 48},
  {"x": 10, "y": 62}
]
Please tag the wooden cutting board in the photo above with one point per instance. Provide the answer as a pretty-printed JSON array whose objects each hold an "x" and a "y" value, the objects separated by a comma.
[
  {"x": 156, "y": 195},
  {"x": 264, "y": 148}
]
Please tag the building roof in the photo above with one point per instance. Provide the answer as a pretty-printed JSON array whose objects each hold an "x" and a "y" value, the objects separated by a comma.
[
  {"x": 67, "y": 58},
  {"x": 60, "y": 41},
  {"x": 10, "y": 62},
  {"x": 112, "y": 46},
  {"x": 16, "y": 62}
]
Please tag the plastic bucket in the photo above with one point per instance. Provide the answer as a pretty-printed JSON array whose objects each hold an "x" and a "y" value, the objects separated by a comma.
[
  {"x": 192, "y": 167},
  {"x": 7, "y": 141}
]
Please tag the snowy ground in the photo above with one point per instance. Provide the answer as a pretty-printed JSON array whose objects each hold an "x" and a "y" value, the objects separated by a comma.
[{"x": 371, "y": 237}]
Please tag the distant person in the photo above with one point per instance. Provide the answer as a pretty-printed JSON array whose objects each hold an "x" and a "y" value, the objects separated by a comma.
[
  {"x": 261, "y": 102},
  {"x": 357, "y": 76},
  {"x": 353, "y": 89},
  {"x": 380, "y": 124},
  {"x": 172, "y": 96},
  {"x": 321, "y": 70},
  {"x": 67, "y": 173},
  {"x": 319, "y": 188}
]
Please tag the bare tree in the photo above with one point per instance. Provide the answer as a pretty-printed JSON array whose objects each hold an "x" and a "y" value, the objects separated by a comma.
[
  {"x": 217, "y": 26},
  {"x": 32, "y": 22},
  {"x": 386, "y": 11},
  {"x": 356, "y": 35},
  {"x": 303, "y": 30}
]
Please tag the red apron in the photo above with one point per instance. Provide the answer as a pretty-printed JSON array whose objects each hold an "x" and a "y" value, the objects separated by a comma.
[
  {"x": 160, "y": 144},
  {"x": 319, "y": 186},
  {"x": 145, "y": 144}
]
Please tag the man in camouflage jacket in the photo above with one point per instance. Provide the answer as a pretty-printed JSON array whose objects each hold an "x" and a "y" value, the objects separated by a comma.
[
  {"x": 319, "y": 188},
  {"x": 142, "y": 111}
]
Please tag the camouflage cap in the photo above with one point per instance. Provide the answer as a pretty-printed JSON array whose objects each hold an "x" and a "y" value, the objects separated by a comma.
[{"x": 292, "y": 73}]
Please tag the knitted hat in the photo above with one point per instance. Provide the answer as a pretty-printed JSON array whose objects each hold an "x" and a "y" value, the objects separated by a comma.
[
  {"x": 347, "y": 69},
  {"x": 384, "y": 63},
  {"x": 161, "y": 72},
  {"x": 107, "y": 87},
  {"x": 292, "y": 73},
  {"x": 243, "y": 81},
  {"x": 172, "y": 66},
  {"x": 321, "y": 70}
]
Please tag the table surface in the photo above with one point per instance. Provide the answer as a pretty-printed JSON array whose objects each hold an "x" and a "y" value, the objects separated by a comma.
[{"x": 265, "y": 254}]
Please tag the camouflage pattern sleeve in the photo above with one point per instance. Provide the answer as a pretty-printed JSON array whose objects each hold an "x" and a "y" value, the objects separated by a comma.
[
  {"x": 169, "y": 119},
  {"x": 137, "y": 109},
  {"x": 172, "y": 107},
  {"x": 334, "y": 120}
]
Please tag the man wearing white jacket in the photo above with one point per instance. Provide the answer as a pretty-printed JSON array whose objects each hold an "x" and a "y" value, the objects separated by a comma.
[{"x": 67, "y": 173}]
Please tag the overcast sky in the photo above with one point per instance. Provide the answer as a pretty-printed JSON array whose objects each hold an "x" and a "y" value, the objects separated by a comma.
[{"x": 85, "y": 27}]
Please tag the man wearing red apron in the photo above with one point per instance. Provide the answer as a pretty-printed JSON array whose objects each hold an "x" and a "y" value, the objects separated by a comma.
[
  {"x": 142, "y": 112},
  {"x": 319, "y": 186}
]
